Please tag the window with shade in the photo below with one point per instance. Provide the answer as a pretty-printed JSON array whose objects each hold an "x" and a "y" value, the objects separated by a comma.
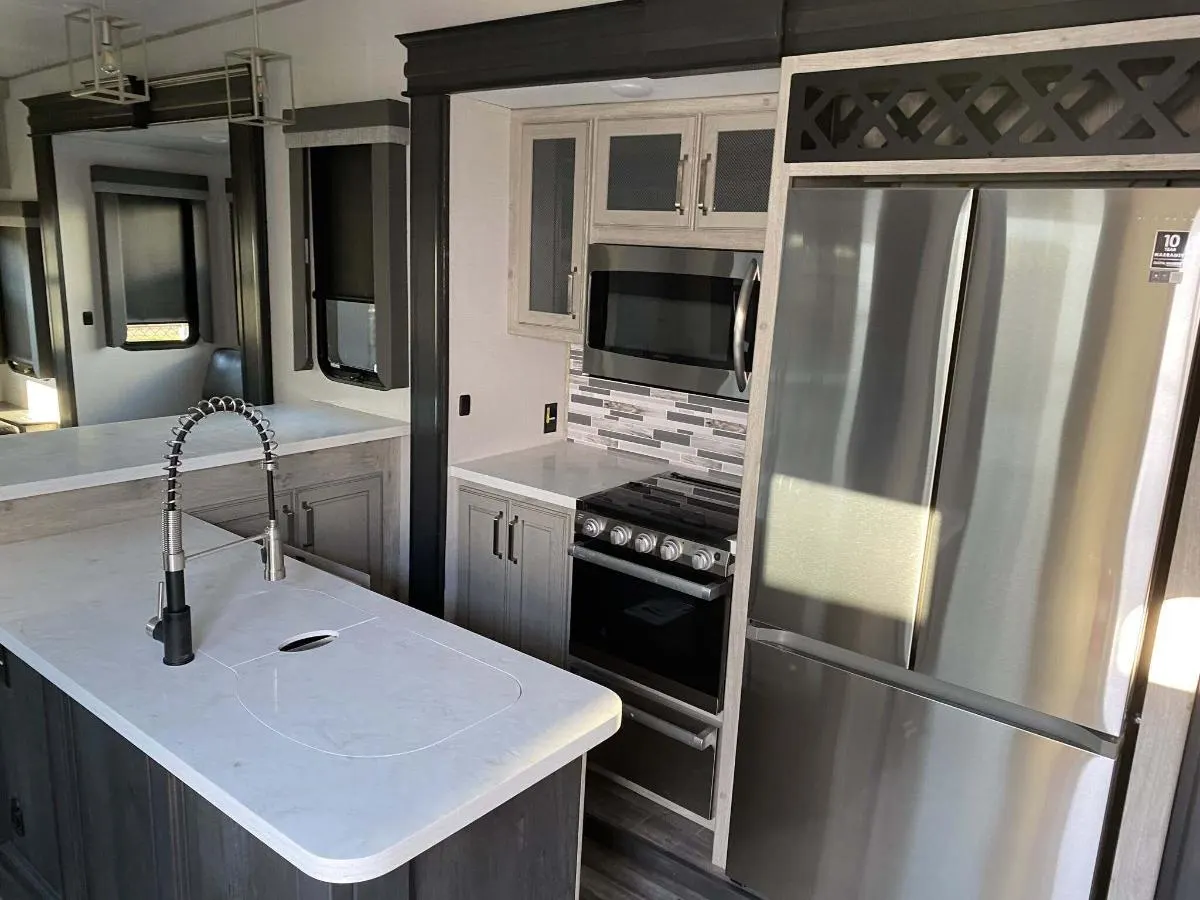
[
  {"x": 24, "y": 314},
  {"x": 153, "y": 235}
]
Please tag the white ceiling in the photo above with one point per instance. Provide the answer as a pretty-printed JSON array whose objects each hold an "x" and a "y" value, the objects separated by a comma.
[
  {"x": 684, "y": 87},
  {"x": 32, "y": 33}
]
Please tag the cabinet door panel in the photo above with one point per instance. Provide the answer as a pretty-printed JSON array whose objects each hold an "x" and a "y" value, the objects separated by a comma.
[
  {"x": 537, "y": 582},
  {"x": 25, "y": 775},
  {"x": 482, "y": 565},
  {"x": 549, "y": 226},
  {"x": 342, "y": 521},
  {"x": 645, "y": 172},
  {"x": 735, "y": 170}
]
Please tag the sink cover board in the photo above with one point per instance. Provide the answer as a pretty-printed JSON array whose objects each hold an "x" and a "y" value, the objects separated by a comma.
[{"x": 329, "y": 698}]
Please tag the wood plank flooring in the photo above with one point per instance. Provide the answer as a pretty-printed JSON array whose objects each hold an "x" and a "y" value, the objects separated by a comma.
[{"x": 634, "y": 849}]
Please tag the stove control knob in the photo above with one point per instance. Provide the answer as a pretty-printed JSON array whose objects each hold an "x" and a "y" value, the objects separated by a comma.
[
  {"x": 620, "y": 535},
  {"x": 702, "y": 560},
  {"x": 592, "y": 527},
  {"x": 670, "y": 550},
  {"x": 645, "y": 543}
]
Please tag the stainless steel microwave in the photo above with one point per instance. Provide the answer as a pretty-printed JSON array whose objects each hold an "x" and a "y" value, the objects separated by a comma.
[{"x": 672, "y": 317}]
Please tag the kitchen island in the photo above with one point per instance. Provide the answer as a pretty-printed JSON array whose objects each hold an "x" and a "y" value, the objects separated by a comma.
[{"x": 397, "y": 757}]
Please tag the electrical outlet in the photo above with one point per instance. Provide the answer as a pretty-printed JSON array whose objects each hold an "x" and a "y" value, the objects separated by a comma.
[{"x": 550, "y": 419}]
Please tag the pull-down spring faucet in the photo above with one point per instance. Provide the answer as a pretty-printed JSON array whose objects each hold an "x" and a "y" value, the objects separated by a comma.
[{"x": 173, "y": 624}]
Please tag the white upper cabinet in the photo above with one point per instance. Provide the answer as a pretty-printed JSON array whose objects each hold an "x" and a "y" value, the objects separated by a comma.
[
  {"x": 645, "y": 171},
  {"x": 549, "y": 229},
  {"x": 735, "y": 170}
]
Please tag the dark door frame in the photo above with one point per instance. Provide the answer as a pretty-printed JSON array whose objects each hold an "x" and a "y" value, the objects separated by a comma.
[
  {"x": 178, "y": 98},
  {"x": 613, "y": 40}
]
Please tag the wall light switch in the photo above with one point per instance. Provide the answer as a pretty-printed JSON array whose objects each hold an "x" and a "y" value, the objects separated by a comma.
[
  {"x": 464, "y": 404},
  {"x": 88, "y": 318}
]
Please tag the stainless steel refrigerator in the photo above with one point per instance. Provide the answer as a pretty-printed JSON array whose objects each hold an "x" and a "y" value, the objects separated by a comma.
[{"x": 972, "y": 412}]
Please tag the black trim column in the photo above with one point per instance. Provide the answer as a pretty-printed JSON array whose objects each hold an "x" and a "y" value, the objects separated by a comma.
[
  {"x": 56, "y": 297},
  {"x": 249, "y": 189},
  {"x": 430, "y": 306}
]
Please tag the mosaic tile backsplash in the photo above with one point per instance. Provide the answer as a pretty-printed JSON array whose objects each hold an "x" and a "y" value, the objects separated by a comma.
[{"x": 707, "y": 434}]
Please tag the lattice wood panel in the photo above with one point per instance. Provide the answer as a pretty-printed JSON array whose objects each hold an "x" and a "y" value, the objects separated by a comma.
[{"x": 1128, "y": 99}]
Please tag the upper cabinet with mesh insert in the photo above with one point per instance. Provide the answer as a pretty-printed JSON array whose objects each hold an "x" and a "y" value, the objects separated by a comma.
[
  {"x": 349, "y": 211},
  {"x": 551, "y": 164},
  {"x": 698, "y": 178}
]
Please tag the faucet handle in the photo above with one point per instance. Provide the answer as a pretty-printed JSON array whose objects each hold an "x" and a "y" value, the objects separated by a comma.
[{"x": 154, "y": 625}]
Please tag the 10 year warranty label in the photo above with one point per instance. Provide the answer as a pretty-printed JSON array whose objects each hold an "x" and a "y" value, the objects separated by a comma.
[{"x": 1166, "y": 265}]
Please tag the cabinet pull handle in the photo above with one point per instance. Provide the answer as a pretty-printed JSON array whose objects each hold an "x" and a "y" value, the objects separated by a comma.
[
  {"x": 571, "y": 290},
  {"x": 700, "y": 204},
  {"x": 290, "y": 515},
  {"x": 310, "y": 525},
  {"x": 679, "y": 183},
  {"x": 512, "y": 529},
  {"x": 496, "y": 536}
]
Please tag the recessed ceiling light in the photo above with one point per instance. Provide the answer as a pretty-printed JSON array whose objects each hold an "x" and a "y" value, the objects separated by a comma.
[
  {"x": 215, "y": 138},
  {"x": 633, "y": 87}
]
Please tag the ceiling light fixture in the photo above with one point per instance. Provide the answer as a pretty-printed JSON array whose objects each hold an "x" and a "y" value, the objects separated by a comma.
[
  {"x": 117, "y": 47},
  {"x": 632, "y": 88},
  {"x": 256, "y": 60}
]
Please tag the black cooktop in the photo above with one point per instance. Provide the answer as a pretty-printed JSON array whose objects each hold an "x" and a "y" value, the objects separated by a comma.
[{"x": 674, "y": 504}]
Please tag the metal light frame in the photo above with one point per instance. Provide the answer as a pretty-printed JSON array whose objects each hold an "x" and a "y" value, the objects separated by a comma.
[
  {"x": 124, "y": 88},
  {"x": 256, "y": 59}
]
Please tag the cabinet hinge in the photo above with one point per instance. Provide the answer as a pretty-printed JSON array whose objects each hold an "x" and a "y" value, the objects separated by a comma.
[
  {"x": 16, "y": 817},
  {"x": 4, "y": 679}
]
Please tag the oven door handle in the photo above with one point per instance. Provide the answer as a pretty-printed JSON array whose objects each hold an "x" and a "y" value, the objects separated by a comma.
[
  {"x": 645, "y": 573},
  {"x": 740, "y": 319},
  {"x": 701, "y": 741}
]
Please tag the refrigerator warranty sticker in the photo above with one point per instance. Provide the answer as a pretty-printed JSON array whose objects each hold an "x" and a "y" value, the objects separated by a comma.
[{"x": 1167, "y": 262}]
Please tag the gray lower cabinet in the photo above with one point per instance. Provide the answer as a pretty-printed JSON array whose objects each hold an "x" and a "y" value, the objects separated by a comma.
[
  {"x": 342, "y": 521},
  {"x": 338, "y": 521},
  {"x": 512, "y": 573},
  {"x": 96, "y": 819}
]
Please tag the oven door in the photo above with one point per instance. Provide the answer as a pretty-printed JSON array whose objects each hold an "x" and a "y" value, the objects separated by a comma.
[
  {"x": 672, "y": 317},
  {"x": 636, "y": 617}
]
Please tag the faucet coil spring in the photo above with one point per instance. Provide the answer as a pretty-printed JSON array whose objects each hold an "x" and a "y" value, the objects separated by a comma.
[{"x": 191, "y": 418}]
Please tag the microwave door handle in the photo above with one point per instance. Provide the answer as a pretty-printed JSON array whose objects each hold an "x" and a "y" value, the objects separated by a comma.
[
  {"x": 740, "y": 315},
  {"x": 654, "y": 576}
]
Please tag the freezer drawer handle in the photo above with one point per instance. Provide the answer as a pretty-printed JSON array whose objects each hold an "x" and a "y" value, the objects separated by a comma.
[
  {"x": 701, "y": 741},
  {"x": 645, "y": 573}
]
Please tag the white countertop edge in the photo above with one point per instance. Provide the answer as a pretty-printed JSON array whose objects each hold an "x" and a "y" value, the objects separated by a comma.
[
  {"x": 333, "y": 871},
  {"x": 512, "y": 487},
  {"x": 195, "y": 463}
]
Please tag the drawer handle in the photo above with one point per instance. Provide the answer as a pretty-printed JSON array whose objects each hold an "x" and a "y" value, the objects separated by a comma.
[
  {"x": 496, "y": 536},
  {"x": 290, "y": 515},
  {"x": 702, "y": 741},
  {"x": 310, "y": 525}
]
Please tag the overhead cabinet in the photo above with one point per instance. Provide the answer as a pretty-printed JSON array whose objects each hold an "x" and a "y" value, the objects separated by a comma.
[
  {"x": 512, "y": 573},
  {"x": 550, "y": 229},
  {"x": 687, "y": 174}
]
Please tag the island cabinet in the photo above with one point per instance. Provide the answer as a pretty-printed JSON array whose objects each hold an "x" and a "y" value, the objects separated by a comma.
[
  {"x": 91, "y": 817},
  {"x": 513, "y": 574}
]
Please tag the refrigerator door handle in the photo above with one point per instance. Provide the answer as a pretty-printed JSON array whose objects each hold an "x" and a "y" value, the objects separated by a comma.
[{"x": 740, "y": 317}]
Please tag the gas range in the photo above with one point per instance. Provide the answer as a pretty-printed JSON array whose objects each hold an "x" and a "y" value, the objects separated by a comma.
[{"x": 678, "y": 519}]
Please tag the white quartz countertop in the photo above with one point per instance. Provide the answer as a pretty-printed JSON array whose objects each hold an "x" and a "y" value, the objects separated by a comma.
[
  {"x": 559, "y": 473},
  {"x": 46, "y": 462},
  {"x": 348, "y": 759}
]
